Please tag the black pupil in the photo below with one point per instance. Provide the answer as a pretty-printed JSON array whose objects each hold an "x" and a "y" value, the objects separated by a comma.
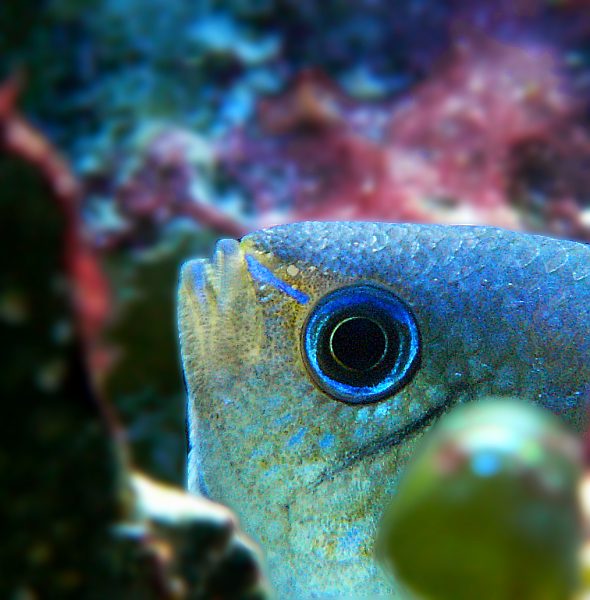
[{"x": 358, "y": 343}]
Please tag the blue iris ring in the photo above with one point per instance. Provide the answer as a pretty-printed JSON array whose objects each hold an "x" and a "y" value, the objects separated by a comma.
[{"x": 361, "y": 344}]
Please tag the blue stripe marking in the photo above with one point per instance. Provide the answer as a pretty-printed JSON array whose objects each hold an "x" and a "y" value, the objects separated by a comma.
[{"x": 264, "y": 275}]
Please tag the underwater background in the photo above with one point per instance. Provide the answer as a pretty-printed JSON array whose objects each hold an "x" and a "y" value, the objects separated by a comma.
[{"x": 134, "y": 134}]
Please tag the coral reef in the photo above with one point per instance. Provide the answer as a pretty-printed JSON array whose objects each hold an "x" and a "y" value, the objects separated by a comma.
[
  {"x": 458, "y": 150},
  {"x": 496, "y": 95}
]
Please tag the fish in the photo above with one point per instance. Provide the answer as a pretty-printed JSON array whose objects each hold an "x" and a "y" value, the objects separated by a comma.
[{"x": 317, "y": 355}]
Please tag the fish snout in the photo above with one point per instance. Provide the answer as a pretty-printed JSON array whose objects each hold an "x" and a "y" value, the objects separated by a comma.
[{"x": 220, "y": 320}]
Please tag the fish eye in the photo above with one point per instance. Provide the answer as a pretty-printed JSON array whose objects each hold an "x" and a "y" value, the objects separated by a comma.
[{"x": 361, "y": 344}]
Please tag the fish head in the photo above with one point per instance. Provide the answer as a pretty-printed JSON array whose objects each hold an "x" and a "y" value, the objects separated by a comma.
[{"x": 317, "y": 354}]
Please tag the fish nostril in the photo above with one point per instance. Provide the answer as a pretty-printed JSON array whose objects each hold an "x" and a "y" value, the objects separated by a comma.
[{"x": 360, "y": 344}]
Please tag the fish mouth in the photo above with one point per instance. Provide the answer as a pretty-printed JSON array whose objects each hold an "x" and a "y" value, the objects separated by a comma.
[
  {"x": 217, "y": 313},
  {"x": 385, "y": 442}
]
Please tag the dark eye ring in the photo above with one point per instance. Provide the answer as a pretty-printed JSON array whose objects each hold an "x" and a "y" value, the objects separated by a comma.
[{"x": 361, "y": 344}]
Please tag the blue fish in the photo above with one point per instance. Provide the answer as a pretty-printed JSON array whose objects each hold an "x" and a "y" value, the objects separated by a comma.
[{"x": 317, "y": 354}]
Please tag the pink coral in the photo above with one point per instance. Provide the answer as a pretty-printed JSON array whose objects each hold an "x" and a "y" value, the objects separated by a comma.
[
  {"x": 163, "y": 185},
  {"x": 454, "y": 139},
  {"x": 445, "y": 153},
  {"x": 493, "y": 135}
]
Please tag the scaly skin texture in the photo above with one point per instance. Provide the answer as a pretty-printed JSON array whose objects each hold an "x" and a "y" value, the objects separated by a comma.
[{"x": 499, "y": 313}]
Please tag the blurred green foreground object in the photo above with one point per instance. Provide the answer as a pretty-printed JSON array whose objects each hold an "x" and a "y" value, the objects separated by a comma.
[{"x": 488, "y": 509}]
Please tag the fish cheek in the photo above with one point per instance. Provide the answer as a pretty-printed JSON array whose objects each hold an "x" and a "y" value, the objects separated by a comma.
[
  {"x": 334, "y": 523},
  {"x": 333, "y": 517}
]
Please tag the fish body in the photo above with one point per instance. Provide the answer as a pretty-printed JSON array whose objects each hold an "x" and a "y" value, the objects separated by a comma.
[{"x": 308, "y": 468}]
